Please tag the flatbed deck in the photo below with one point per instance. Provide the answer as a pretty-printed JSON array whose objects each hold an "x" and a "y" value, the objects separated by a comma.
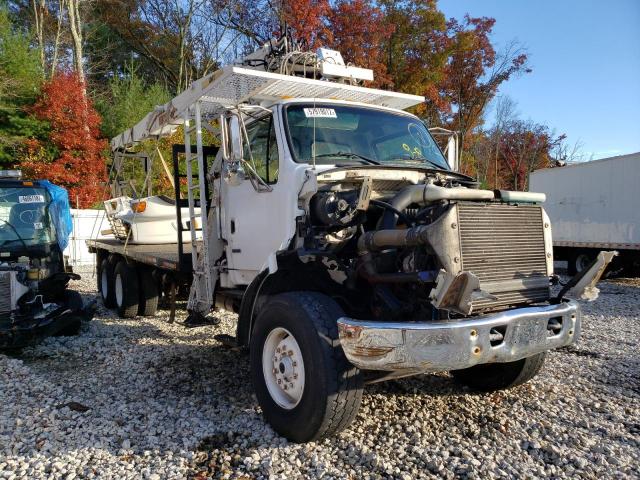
[{"x": 165, "y": 256}]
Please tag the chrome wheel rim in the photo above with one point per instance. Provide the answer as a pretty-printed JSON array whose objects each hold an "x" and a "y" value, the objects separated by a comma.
[
  {"x": 104, "y": 285},
  {"x": 119, "y": 290},
  {"x": 283, "y": 368}
]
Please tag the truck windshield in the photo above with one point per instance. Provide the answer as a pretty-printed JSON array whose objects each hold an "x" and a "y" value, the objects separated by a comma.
[
  {"x": 342, "y": 134},
  {"x": 24, "y": 217}
]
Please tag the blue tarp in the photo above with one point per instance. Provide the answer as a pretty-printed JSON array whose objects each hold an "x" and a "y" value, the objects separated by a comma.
[{"x": 60, "y": 212}]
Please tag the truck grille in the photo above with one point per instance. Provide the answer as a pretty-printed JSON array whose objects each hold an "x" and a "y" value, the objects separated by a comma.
[
  {"x": 5, "y": 292},
  {"x": 503, "y": 245}
]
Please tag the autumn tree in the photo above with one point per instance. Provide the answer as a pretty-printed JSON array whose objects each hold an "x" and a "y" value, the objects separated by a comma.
[
  {"x": 525, "y": 146},
  {"x": 357, "y": 28},
  {"x": 306, "y": 20},
  {"x": 416, "y": 53},
  {"x": 70, "y": 154},
  {"x": 475, "y": 71},
  {"x": 179, "y": 40}
]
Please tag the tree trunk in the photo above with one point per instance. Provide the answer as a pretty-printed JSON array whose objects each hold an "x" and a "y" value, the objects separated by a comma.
[
  {"x": 75, "y": 25},
  {"x": 38, "y": 17},
  {"x": 56, "y": 44}
]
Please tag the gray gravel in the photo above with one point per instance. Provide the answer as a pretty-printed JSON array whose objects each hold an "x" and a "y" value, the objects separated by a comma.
[{"x": 146, "y": 399}]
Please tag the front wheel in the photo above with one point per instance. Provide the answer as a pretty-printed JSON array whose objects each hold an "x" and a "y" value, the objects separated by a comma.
[
  {"x": 304, "y": 383},
  {"x": 489, "y": 377}
]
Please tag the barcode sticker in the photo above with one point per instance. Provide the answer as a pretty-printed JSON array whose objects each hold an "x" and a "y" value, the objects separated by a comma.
[
  {"x": 320, "y": 113},
  {"x": 31, "y": 199}
]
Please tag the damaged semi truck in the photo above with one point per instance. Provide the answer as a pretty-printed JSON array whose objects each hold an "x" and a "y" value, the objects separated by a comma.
[{"x": 352, "y": 251}]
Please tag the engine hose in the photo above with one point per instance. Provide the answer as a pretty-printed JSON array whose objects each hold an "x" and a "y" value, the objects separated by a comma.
[
  {"x": 367, "y": 270},
  {"x": 388, "y": 206},
  {"x": 425, "y": 194}
]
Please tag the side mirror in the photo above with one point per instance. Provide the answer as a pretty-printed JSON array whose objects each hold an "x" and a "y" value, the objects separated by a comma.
[
  {"x": 231, "y": 133},
  {"x": 452, "y": 152},
  {"x": 235, "y": 138}
]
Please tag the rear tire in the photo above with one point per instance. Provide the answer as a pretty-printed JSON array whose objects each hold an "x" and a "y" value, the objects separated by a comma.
[
  {"x": 578, "y": 261},
  {"x": 490, "y": 377},
  {"x": 295, "y": 340},
  {"x": 105, "y": 281},
  {"x": 149, "y": 293},
  {"x": 126, "y": 290}
]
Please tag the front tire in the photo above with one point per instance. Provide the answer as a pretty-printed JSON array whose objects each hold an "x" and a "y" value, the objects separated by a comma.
[
  {"x": 304, "y": 383},
  {"x": 490, "y": 377}
]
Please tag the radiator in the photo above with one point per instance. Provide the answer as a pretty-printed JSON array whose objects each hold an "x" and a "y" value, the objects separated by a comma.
[
  {"x": 5, "y": 292},
  {"x": 504, "y": 246}
]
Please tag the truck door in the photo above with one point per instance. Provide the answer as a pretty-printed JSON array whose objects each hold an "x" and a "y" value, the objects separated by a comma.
[{"x": 257, "y": 223}]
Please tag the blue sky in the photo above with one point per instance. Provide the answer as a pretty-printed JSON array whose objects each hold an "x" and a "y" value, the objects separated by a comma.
[{"x": 585, "y": 57}]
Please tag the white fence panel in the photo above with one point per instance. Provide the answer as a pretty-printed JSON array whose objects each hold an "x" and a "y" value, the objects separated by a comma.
[{"x": 86, "y": 225}]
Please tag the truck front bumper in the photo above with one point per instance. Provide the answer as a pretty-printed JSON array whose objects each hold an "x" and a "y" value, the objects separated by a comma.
[{"x": 407, "y": 348}]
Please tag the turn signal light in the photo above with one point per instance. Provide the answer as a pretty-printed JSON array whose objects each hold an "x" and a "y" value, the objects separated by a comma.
[{"x": 139, "y": 207}]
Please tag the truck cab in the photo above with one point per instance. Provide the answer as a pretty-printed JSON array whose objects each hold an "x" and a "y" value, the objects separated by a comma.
[{"x": 298, "y": 139}]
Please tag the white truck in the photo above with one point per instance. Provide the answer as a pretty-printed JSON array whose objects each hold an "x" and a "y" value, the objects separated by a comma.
[
  {"x": 352, "y": 252},
  {"x": 593, "y": 206}
]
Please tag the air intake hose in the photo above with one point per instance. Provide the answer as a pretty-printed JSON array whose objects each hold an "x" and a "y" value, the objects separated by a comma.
[{"x": 425, "y": 194}]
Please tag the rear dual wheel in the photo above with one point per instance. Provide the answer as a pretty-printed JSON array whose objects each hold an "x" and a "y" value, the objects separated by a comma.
[
  {"x": 106, "y": 287},
  {"x": 126, "y": 289},
  {"x": 135, "y": 290}
]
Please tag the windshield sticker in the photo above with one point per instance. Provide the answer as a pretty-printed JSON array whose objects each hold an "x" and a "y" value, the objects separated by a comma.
[
  {"x": 31, "y": 199},
  {"x": 320, "y": 113},
  {"x": 38, "y": 226}
]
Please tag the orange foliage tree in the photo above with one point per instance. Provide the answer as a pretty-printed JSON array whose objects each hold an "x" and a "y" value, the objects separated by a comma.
[
  {"x": 72, "y": 155},
  {"x": 474, "y": 72},
  {"x": 358, "y": 29},
  {"x": 307, "y": 20}
]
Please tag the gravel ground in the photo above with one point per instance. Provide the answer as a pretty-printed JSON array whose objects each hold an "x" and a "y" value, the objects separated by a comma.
[{"x": 147, "y": 399}]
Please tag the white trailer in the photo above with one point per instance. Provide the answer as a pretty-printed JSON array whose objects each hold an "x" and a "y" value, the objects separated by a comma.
[{"x": 593, "y": 206}]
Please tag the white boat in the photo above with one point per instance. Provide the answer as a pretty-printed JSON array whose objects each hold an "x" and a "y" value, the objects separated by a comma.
[{"x": 148, "y": 220}]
